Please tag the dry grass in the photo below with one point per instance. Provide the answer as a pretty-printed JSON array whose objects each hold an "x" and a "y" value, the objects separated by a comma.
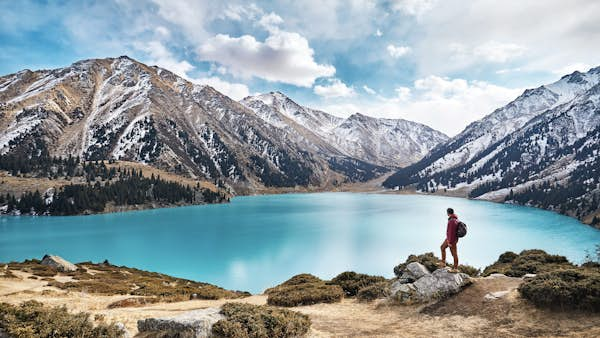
[
  {"x": 464, "y": 315},
  {"x": 106, "y": 279}
]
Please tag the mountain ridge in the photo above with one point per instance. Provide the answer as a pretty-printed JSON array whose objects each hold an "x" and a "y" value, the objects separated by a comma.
[
  {"x": 544, "y": 154},
  {"x": 119, "y": 108}
]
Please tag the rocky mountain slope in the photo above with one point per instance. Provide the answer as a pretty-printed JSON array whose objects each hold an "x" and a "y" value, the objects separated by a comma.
[
  {"x": 118, "y": 108},
  {"x": 386, "y": 142},
  {"x": 541, "y": 149}
]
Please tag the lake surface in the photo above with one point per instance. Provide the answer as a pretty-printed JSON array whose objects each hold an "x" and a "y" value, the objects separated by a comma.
[{"x": 259, "y": 241}]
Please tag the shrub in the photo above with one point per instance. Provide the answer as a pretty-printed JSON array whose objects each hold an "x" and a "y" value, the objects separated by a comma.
[
  {"x": 260, "y": 321},
  {"x": 374, "y": 291},
  {"x": 304, "y": 290},
  {"x": 577, "y": 289},
  {"x": 33, "y": 267},
  {"x": 133, "y": 302},
  {"x": 351, "y": 281},
  {"x": 429, "y": 260},
  {"x": 469, "y": 270},
  {"x": 528, "y": 261},
  {"x": 33, "y": 319}
]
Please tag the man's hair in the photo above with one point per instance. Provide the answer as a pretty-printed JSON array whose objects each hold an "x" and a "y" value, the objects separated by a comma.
[{"x": 450, "y": 211}]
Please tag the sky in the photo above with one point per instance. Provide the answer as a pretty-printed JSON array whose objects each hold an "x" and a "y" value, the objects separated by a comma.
[{"x": 443, "y": 63}]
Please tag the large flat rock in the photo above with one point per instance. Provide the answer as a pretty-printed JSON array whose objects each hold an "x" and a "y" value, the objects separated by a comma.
[{"x": 196, "y": 323}]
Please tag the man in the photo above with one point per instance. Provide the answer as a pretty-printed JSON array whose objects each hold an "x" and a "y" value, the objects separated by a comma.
[{"x": 451, "y": 240}]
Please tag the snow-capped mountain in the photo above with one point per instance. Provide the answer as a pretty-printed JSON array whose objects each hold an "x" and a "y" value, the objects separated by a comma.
[
  {"x": 118, "y": 108},
  {"x": 541, "y": 149},
  {"x": 387, "y": 142}
]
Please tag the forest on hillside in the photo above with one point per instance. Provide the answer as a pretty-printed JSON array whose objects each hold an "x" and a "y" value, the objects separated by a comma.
[{"x": 102, "y": 185}]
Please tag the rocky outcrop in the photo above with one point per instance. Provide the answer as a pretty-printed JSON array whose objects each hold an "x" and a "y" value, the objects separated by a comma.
[
  {"x": 426, "y": 286},
  {"x": 58, "y": 263},
  {"x": 197, "y": 323}
]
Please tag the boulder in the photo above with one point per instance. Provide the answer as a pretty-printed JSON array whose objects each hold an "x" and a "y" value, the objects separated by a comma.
[
  {"x": 496, "y": 295},
  {"x": 416, "y": 270},
  {"x": 529, "y": 276},
  {"x": 198, "y": 323},
  {"x": 429, "y": 287},
  {"x": 496, "y": 275},
  {"x": 125, "y": 333},
  {"x": 58, "y": 263}
]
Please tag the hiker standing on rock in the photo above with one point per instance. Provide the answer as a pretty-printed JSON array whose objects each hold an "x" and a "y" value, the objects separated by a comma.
[{"x": 451, "y": 240}]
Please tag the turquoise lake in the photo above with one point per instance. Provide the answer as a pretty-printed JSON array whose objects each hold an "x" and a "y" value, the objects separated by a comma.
[{"x": 259, "y": 241}]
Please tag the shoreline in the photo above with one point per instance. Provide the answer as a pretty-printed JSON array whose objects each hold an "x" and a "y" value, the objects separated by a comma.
[{"x": 125, "y": 209}]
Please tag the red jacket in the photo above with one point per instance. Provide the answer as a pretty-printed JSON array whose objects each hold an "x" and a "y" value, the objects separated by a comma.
[{"x": 451, "y": 229}]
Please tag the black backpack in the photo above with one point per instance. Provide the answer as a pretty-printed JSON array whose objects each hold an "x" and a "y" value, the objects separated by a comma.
[{"x": 461, "y": 229}]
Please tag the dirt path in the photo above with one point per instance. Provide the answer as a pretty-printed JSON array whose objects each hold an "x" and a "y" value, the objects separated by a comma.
[{"x": 467, "y": 314}]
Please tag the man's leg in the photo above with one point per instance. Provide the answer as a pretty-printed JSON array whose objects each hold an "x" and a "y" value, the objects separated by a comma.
[
  {"x": 443, "y": 248},
  {"x": 454, "y": 252}
]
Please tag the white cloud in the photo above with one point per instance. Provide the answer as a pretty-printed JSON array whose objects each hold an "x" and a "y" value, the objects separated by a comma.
[
  {"x": 508, "y": 70},
  {"x": 554, "y": 33},
  {"x": 443, "y": 103},
  {"x": 494, "y": 51},
  {"x": 403, "y": 93},
  {"x": 413, "y": 7},
  {"x": 282, "y": 57},
  {"x": 369, "y": 90},
  {"x": 398, "y": 51},
  {"x": 270, "y": 21},
  {"x": 336, "y": 88},
  {"x": 190, "y": 15},
  {"x": 570, "y": 68},
  {"x": 237, "y": 12},
  {"x": 378, "y": 33},
  {"x": 236, "y": 91},
  {"x": 159, "y": 55}
]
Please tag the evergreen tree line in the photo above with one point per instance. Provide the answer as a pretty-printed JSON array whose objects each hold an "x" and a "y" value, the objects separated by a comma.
[{"x": 130, "y": 188}]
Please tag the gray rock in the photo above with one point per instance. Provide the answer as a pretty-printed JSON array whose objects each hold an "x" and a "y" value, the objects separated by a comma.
[
  {"x": 529, "y": 275},
  {"x": 58, "y": 263},
  {"x": 197, "y": 322},
  {"x": 125, "y": 332},
  {"x": 416, "y": 270},
  {"x": 441, "y": 283},
  {"x": 496, "y": 275},
  {"x": 431, "y": 286},
  {"x": 495, "y": 295},
  {"x": 406, "y": 278}
]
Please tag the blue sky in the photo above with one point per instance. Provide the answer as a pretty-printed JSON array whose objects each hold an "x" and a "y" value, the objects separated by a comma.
[{"x": 443, "y": 63}]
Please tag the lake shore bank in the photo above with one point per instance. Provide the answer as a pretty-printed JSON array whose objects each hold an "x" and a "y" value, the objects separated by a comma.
[{"x": 469, "y": 313}]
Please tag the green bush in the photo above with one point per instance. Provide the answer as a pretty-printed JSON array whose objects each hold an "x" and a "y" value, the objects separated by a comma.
[
  {"x": 429, "y": 260},
  {"x": 528, "y": 261},
  {"x": 577, "y": 289},
  {"x": 351, "y": 281},
  {"x": 260, "y": 321},
  {"x": 374, "y": 291},
  {"x": 469, "y": 270},
  {"x": 33, "y": 319},
  {"x": 304, "y": 289}
]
